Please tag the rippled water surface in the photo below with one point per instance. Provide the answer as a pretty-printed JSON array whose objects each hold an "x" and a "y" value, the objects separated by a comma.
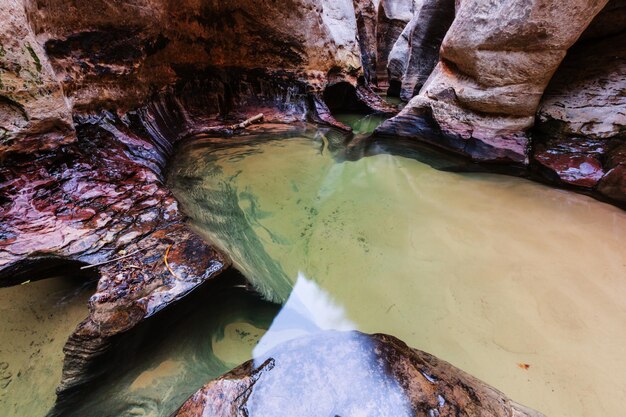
[{"x": 516, "y": 283}]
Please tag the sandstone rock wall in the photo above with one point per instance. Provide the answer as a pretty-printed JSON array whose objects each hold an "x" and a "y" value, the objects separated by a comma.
[
  {"x": 427, "y": 29},
  {"x": 109, "y": 54},
  {"x": 495, "y": 62},
  {"x": 393, "y": 16},
  {"x": 366, "y": 12},
  {"x": 33, "y": 109}
]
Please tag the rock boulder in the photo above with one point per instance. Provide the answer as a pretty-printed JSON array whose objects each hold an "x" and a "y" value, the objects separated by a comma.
[{"x": 348, "y": 374}]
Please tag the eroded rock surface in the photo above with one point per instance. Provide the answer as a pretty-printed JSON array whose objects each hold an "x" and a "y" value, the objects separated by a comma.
[
  {"x": 109, "y": 54},
  {"x": 587, "y": 96},
  {"x": 349, "y": 373},
  {"x": 33, "y": 111},
  {"x": 393, "y": 16},
  {"x": 495, "y": 62},
  {"x": 101, "y": 200},
  {"x": 582, "y": 119},
  {"x": 428, "y": 27},
  {"x": 366, "y": 12}
]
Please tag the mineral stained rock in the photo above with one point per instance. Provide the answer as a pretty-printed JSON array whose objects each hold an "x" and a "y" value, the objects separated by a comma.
[
  {"x": 581, "y": 125},
  {"x": 101, "y": 200},
  {"x": 347, "y": 374},
  {"x": 93, "y": 96},
  {"x": 33, "y": 111},
  {"x": 108, "y": 54},
  {"x": 495, "y": 62}
]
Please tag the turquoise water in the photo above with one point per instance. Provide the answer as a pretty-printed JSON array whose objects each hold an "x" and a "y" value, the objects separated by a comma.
[{"x": 487, "y": 272}]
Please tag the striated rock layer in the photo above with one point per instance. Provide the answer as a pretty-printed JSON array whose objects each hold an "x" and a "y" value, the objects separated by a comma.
[
  {"x": 349, "y": 373},
  {"x": 100, "y": 200},
  {"x": 81, "y": 175},
  {"x": 581, "y": 128},
  {"x": 94, "y": 95}
]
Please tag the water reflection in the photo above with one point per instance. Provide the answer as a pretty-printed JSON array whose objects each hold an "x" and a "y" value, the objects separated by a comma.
[
  {"x": 155, "y": 368},
  {"x": 308, "y": 310},
  {"x": 330, "y": 374},
  {"x": 484, "y": 271},
  {"x": 361, "y": 123},
  {"x": 316, "y": 359}
]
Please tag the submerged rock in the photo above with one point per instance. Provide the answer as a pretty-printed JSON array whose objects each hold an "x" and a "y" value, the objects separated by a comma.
[{"x": 349, "y": 374}]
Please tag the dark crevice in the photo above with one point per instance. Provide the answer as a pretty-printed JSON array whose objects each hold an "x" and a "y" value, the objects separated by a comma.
[
  {"x": 41, "y": 267},
  {"x": 342, "y": 97}
]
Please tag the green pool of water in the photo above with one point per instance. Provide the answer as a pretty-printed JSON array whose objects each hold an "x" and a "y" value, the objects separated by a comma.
[
  {"x": 488, "y": 272},
  {"x": 361, "y": 123},
  {"x": 154, "y": 369},
  {"x": 37, "y": 319}
]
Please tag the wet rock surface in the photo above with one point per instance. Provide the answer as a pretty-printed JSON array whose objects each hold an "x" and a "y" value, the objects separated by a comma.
[
  {"x": 581, "y": 126},
  {"x": 81, "y": 174},
  {"x": 101, "y": 201},
  {"x": 349, "y": 373}
]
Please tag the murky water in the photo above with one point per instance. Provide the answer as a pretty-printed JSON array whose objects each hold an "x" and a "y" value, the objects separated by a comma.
[
  {"x": 516, "y": 283},
  {"x": 37, "y": 319}
]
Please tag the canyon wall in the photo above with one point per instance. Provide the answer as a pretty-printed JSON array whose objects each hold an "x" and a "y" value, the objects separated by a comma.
[{"x": 95, "y": 94}]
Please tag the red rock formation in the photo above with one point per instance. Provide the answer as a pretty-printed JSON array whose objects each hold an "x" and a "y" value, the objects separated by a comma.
[
  {"x": 90, "y": 190},
  {"x": 581, "y": 126}
]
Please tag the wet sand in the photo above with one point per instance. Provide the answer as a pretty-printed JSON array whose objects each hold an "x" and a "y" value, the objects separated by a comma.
[
  {"x": 491, "y": 273},
  {"x": 37, "y": 319}
]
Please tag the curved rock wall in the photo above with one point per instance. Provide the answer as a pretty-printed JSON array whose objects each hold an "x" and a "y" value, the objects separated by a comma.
[
  {"x": 393, "y": 16},
  {"x": 495, "y": 62},
  {"x": 96, "y": 195},
  {"x": 426, "y": 31},
  {"x": 108, "y": 54}
]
